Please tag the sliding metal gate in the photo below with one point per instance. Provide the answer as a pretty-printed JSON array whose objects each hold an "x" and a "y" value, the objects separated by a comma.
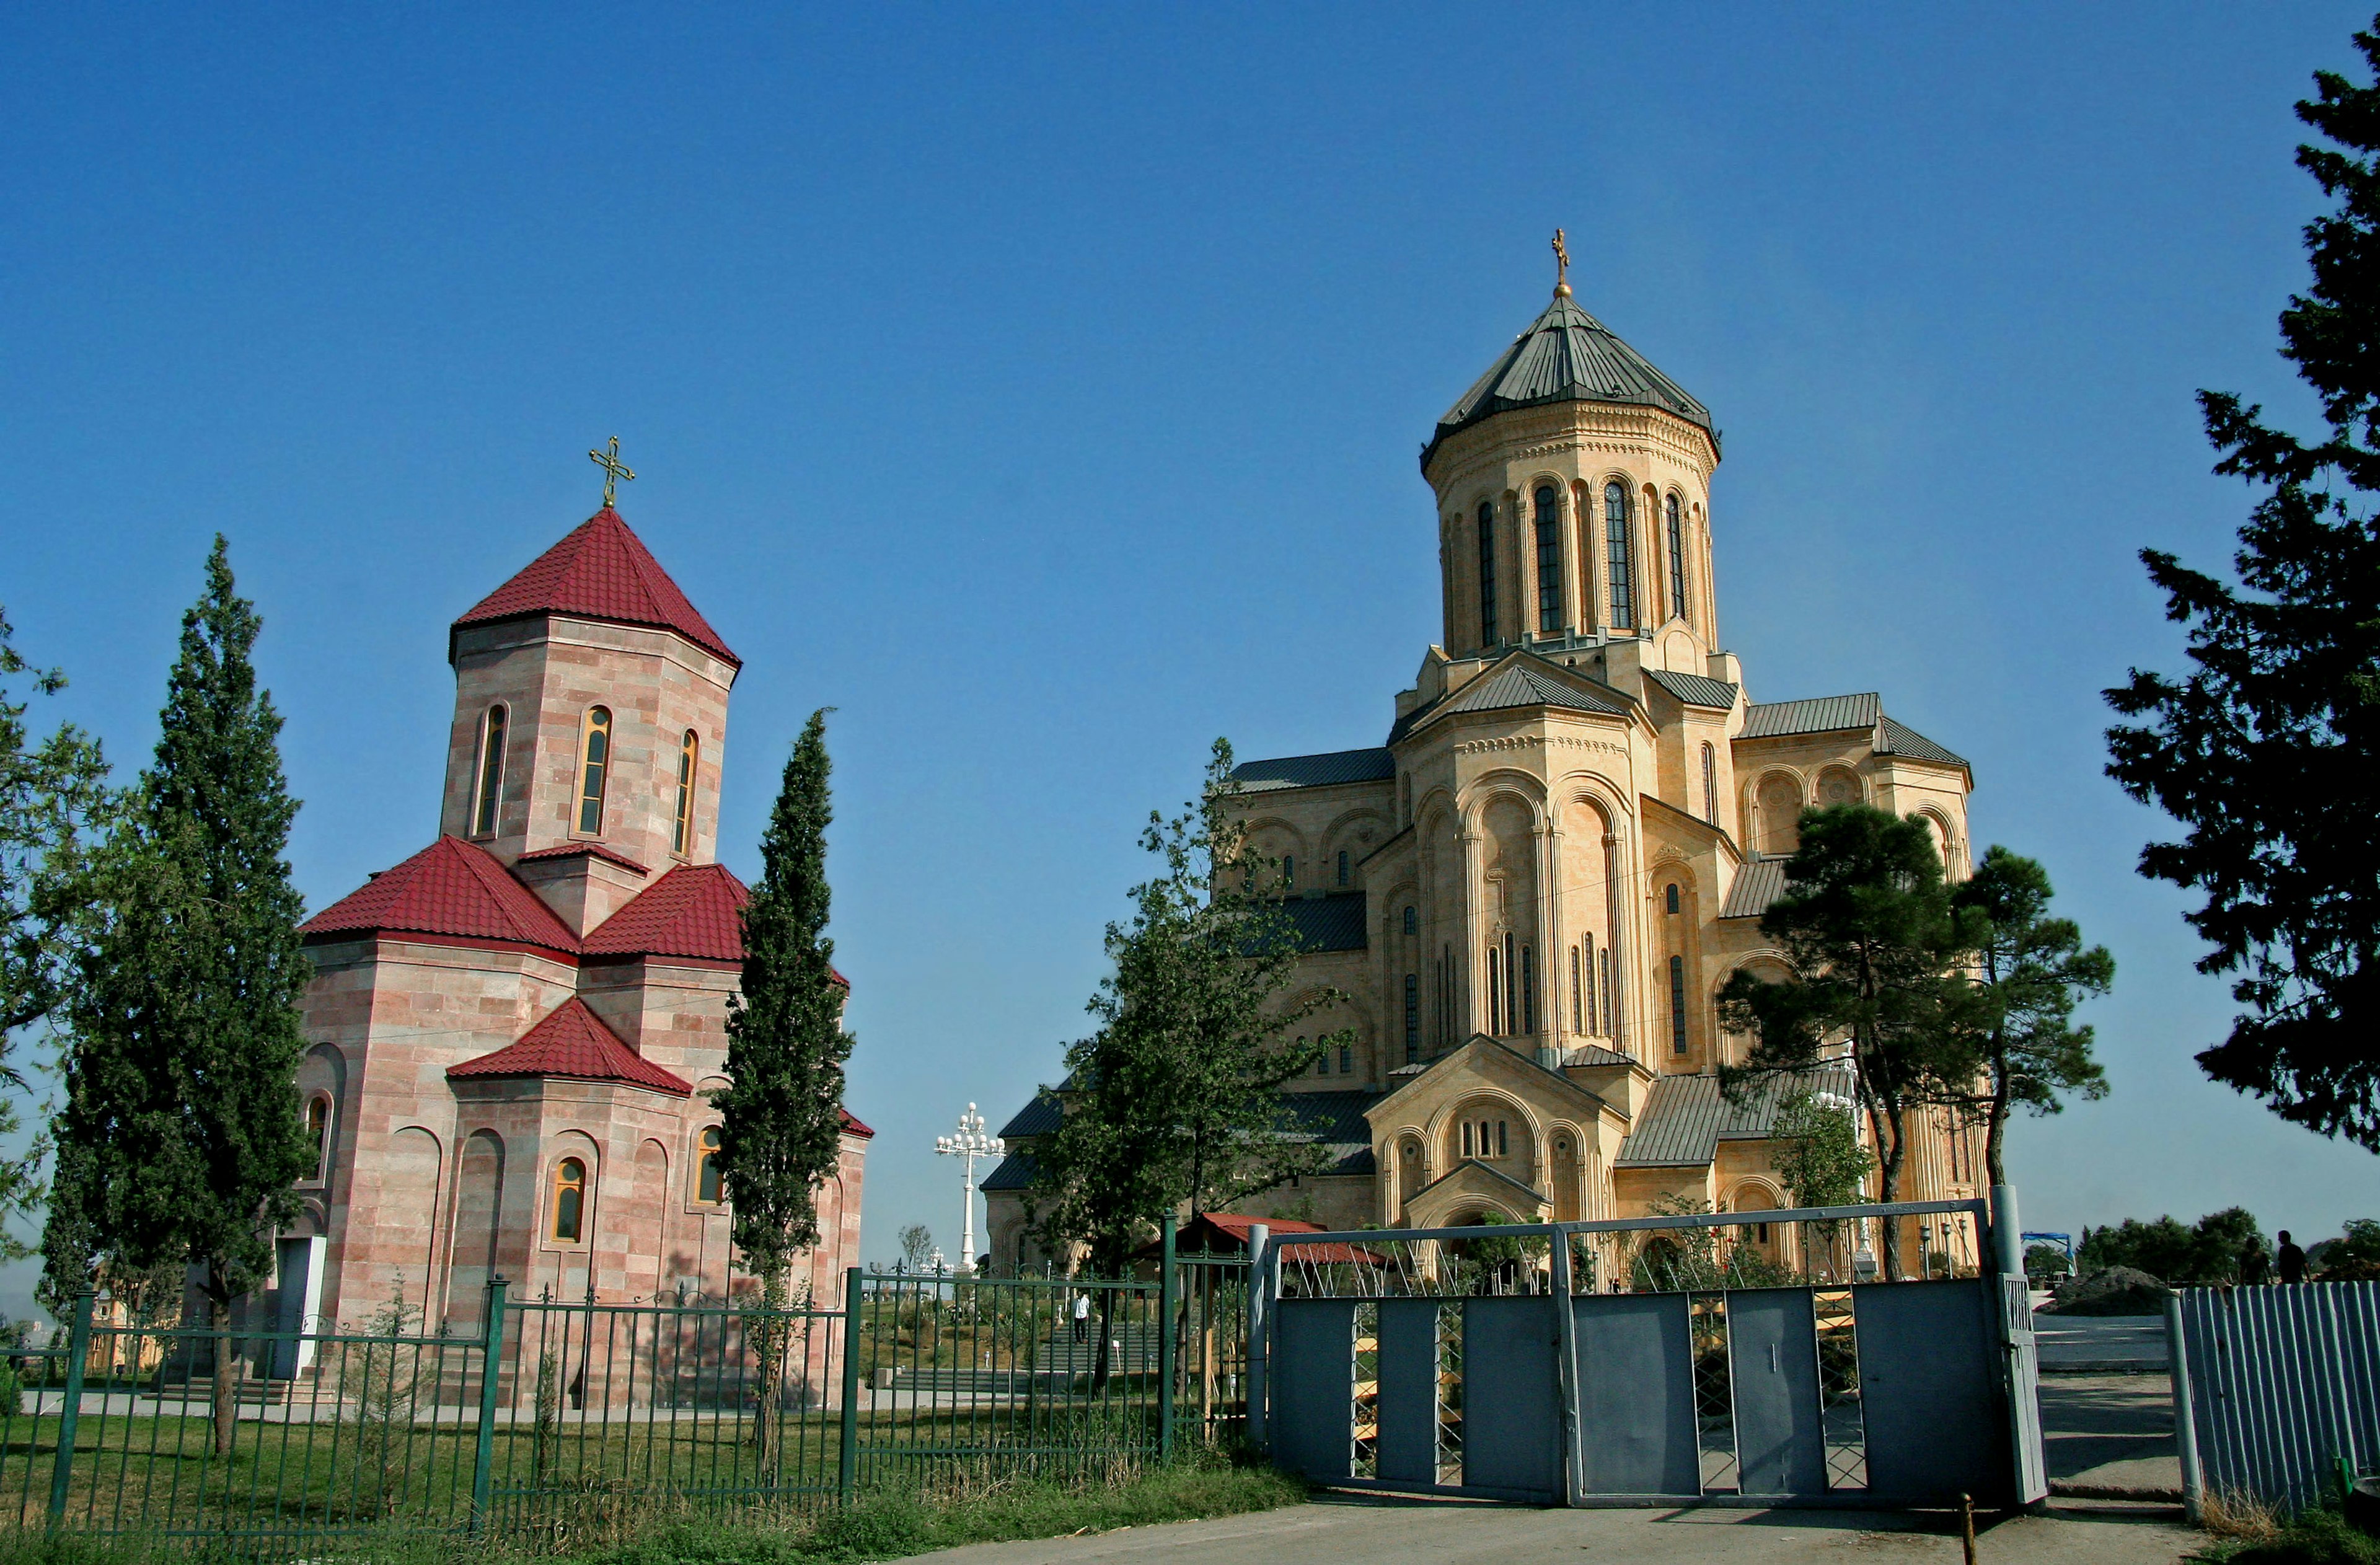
[{"x": 1745, "y": 1358}]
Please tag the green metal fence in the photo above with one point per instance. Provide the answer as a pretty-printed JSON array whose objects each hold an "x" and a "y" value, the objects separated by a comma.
[{"x": 545, "y": 1417}]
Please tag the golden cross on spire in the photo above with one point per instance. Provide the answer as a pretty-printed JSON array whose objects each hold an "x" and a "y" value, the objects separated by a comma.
[
  {"x": 1561, "y": 266},
  {"x": 613, "y": 468}
]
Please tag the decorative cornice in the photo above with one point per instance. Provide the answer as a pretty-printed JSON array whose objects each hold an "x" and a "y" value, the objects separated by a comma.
[{"x": 1525, "y": 741}]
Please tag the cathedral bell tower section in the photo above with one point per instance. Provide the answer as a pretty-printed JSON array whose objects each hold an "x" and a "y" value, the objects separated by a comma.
[
  {"x": 1573, "y": 502},
  {"x": 590, "y": 715}
]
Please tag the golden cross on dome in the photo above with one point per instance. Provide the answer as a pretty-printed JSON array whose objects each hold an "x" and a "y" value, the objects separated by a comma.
[
  {"x": 613, "y": 468},
  {"x": 1561, "y": 266}
]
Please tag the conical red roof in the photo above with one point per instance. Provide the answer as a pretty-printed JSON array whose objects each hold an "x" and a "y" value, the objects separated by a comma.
[
  {"x": 600, "y": 571},
  {"x": 573, "y": 1042},
  {"x": 695, "y": 910},
  {"x": 449, "y": 888}
]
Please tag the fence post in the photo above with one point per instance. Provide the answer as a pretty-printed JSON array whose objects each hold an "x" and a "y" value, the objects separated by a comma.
[
  {"x": 847, "y": 1470},
  {"x": 78, "y": 1352},
  {"x": 2185, "y": 1422},
  {"x": 1166, "y": 1346},
  {"x": 483, "y": 1455},
  {"x": 1259, "y": 1324}
]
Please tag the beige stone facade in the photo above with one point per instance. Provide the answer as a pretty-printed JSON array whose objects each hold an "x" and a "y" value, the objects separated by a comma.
[{"x": 1533, "y": 891}]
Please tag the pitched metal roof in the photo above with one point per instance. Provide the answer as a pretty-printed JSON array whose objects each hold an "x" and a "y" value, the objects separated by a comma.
[
  {"x": 1899, "y": 739},
  {"x": 573, "y": 1042},
  {"x": 450, "y": 888},
  {"x": 1328, "y": 923},
  {"x": 1685, "y": 1118},
  {"x": 1336, "y": 1120},
  {"x": 1595, "y": 1055},
  {"x": 1015, "y": 1171},
  {"x": 1315, "y": 771},
  {"x": 1823, "y": 714},
  {"x": 1750, "y": 1113},
  {"x": 1525, "y": 680},
  {"x": 1037, "y": 1117},
  {"x": 1567, "y": 355},
  {"x": 1693, "y": 689},
  {"x": 599, "y": 571},
  {"x": 1756, "y": 885}
]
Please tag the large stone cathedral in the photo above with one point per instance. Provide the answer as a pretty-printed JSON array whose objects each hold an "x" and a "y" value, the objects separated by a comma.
[{"x": 1531, "y": 892}]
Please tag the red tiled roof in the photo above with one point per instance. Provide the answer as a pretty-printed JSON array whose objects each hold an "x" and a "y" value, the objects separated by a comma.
[
  {"x": 695, "y": 910},
  {"x": 601, "y": 571},
  {"x": 1226, "y": 1233},
  {"x": 449, "y": 888},
  {"x": 573, "y": 1042},
  {"x": 853, "y": 1125},
  {"x": 584, "y": 850}
]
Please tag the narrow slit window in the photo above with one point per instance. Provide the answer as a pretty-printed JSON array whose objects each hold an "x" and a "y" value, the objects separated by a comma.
[
  {"x": 689, "y": 754},
  {"x": 595, "y": 768},
  {"x": 1577, "y": 1016},
  {"x": 1342, "y": 867},
  {"x": 1669, "y": 898},
  {"x": 1412, "y": 1017},
  {"x": 1592, "y": 1025},
  {"x": 1486, "y": 574},
  {"x": 318, "y": 1125},
  {"x": 1512, "y": 989},
  {"x": 569, "y": 1199},
  {"x": 1677, "y": 1005},
  {"x": 1619, "y": 562},
  {"x": 1528, "y": 989},
  {"x": 1289, "y": 871},
  {"x": 1710, "y": 784},
  {"x": 1467, "y": 1138},
  {"x": 1550, "y": 593},
  {"x": 709, "y": 1188},
  {"x": 1494, "y": 994},
  {"x": 1412, "y": 921},
  {"x": 489, "y": 786},
  {"x": 1610, "y": 1012},
  {"x": 1503, "y": 1147},
  {"x": 1677, "y": 529},
  {"x": 1346, "y": 1060}
]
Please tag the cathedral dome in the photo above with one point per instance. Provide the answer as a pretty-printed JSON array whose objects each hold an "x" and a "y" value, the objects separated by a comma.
[{"x": 1567, "y": 355}]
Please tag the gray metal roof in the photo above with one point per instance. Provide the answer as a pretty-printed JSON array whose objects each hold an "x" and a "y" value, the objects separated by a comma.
[
  {"x": 1526, "y": 680},
  {"x": 1899, "y": 739},
  {"x": 1595, "y": 1055},
  {"x": 1325, "y": 923},
  {"x": 1685, "y": 1118},
  {"x": 1016, "y": 1173},
  {"x": 1824, "y": 714},
  {"x": 1336, "y": 1120},
  {"x": 1315, "y": 771},
  {"x": 1693, "y": 689},
  {"x": 1567, "y": 355},
  {"x": 1756, "y": 885},
  {"x": 1036, "y": 1118}
]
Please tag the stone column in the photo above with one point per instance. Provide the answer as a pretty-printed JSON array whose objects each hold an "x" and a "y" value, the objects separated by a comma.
[
  {"x": 1616, "y": 936},
  {"x": 1551, "y": 974}
]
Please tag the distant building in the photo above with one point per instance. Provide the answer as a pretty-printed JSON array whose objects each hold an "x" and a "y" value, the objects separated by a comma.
[
  {"x": 1533, "y": 888},
  {"x": 515, "y": 1031}
]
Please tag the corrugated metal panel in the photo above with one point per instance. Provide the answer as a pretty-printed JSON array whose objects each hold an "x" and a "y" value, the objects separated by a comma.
[
  {"x": 1756, "y": 885},
  {"x": 1899, "y": 739},
  {"x": 1318, "y": 924},
  {"x": 1016, "y": 1173},
  {"x": 1679, "y": 1127},
  {"x": 2283, "y": 1382},
  {"x": 1518, "y": 684},
  {"x": 1036, "y": 1118},
  {"x": 1693, "y": 689},
  {"x": 1315, "y": 771},
  {"x": 1823, "y": 714}
]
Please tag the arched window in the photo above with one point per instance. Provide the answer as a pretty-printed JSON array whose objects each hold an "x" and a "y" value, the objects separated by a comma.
[
  {"x": 569, "y": 1199},
  {"x": 1677, "y": 1005},
  {"x": 1528, "y": 991},
  {"x": 689, "y": 751},
  {"x": 318, "y": 1125},
  {"x": 1594, "y": 1025},
  {"x": 595, "y": 753},
  {"x": 1322, "y": 1064},
  {"x": 1503, "y": 1147},
  {"x": 1486, "y": 574},
  {"x": 1710, "y": 784},
  {"x": 489, "y": 787},
  {"x": 1413, "y": 1018},
  {"x": 1412, "y": 921},
  {"x": 1611, "y": 1012},
  {"x": 1346, "y": 1060},
  {"x": 1549, "y": 593},
  {"x": 709, "y": 1188},
  {"x": 1342, "y": 867},
  {"x": 1619, "y": 558},
  {"x": 1289, "y": 871},
  {"x": 1467, "y": 1138},
  {"x": 1677, "y": 562},
  {"x": 1577, "y": 1018},
  {"x": 1512, "y": 986},
  {"x": 1494, "y": 994},
  {"x": 1669, "y": 898}
]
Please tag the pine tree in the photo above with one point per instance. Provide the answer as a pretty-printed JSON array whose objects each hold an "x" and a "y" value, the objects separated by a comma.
[
  {"x": 2268, "y": 750},
  {"x": 2031, "y": 970},
  {"x": 781, "y": 1134},
  {"x": 181, "y": 1136},
  {"x": 1870, "y": 940}
]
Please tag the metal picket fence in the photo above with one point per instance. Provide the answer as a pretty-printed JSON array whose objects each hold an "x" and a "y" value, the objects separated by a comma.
[
  {"x": 2276, "y": 1390},
  {"x": 549, "y": 1418}
]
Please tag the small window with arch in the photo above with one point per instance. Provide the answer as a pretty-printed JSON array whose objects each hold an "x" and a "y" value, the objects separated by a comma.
[
  {"x": 689, "y": 755},
  {"x": 595, "y": 769},
  {"x": 569, "y": 1200},
  {"x": 1342, "y": 867},
  {"x": 1669, "y": 898},
  {"x": 709, "y": 1188},
  {"x": 488, "y": 790},
  {"x": 1289, "y": 871},
  {"x": 1412, "y": 920},
  {"x": 317, "y": 1127}
]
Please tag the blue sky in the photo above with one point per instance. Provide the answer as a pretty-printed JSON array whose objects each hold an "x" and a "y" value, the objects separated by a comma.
[{"x": 1042, "y": 389}]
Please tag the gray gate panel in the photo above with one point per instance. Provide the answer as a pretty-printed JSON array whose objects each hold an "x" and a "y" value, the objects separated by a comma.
[
  {"x": 1929, "y": 1392},
  {"x": 1772, "y": 1338},
  {"x": 1311, "y": 1423},
  {"x": 1511, "y": 1404},
  {"x": 1636, "y": 1395},
  {"x": 1408, "y": 1404}
]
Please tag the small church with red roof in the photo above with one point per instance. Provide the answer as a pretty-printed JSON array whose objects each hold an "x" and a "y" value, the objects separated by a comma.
[{"x": 515, "y": 1032}]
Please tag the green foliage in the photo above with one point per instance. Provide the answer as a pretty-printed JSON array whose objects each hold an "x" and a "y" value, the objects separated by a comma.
[
  {"x": 1176, "y": 1096},
  {"x": 2031, "y": 971},
  {"x": 1697, "y": 1259},
  {"x": 1819, "y": 1155},
  {"x": 2312, "y": 1537},
  {"x": 917, "y": 1246},
  {"x": 2206, "y": 1252},
  {"x": 2044, "y": 1260},
  {"x": 2354, "y": 1257},
  {"x": 181, "y": 1136},
  {"x": 1870, "y": 939},
  {"x": 2268, "y": 748},
  {"x": 781, "y": 1134}
]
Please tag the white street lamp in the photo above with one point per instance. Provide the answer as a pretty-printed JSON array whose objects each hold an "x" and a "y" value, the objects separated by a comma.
[{"x": 967, "y": 1145}]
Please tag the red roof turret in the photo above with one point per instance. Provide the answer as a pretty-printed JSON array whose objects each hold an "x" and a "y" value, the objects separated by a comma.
[
  {"x": 573, "y": 1042},
  {"x": 600, "y": 571},
  {"x": 450, "y": 888}
]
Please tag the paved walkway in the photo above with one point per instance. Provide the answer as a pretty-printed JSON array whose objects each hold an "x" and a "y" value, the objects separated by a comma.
[
  {"x": 2071, "y": 1343},
  {"x": 1377, "y": 1531},
  {"x": 2110, "y": 1435}
]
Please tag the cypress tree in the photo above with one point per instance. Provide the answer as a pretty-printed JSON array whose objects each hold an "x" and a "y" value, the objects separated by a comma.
[
  {"x": 781, "y": 1134},
  {"x": 181, "y": 1137}
]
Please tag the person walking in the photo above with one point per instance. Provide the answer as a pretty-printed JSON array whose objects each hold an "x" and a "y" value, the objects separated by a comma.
[
  {"x": 1083, "y": 1316},
  {"x": 2291, "y": 1259},
  {"x": 2255, "y": 1266}
]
